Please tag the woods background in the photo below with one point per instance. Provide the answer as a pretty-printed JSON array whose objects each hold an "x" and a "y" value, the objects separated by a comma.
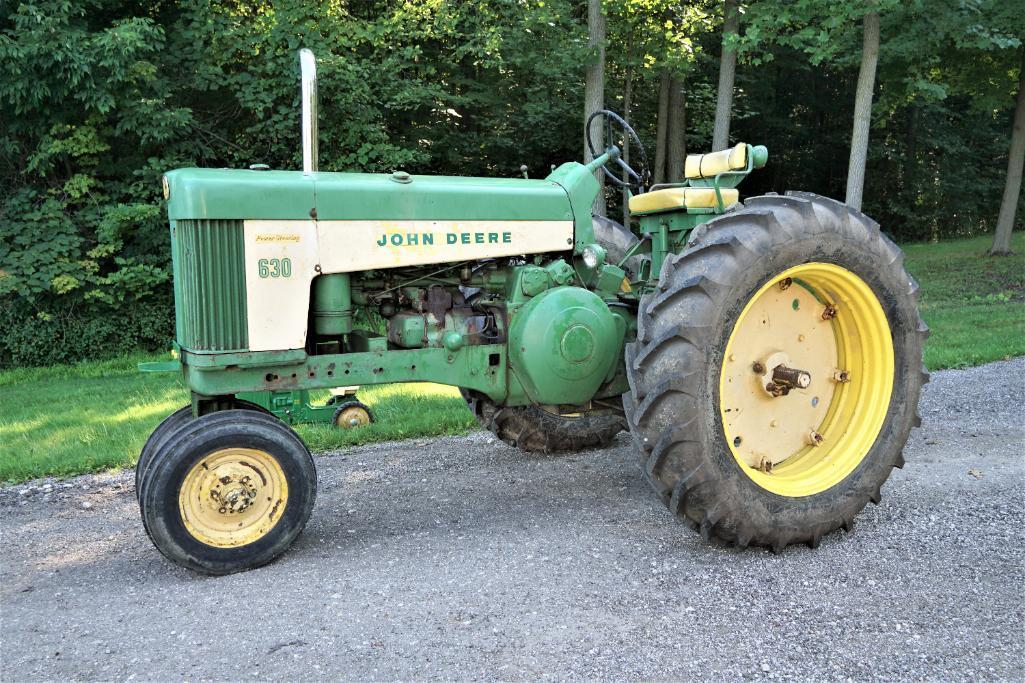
[{"x": 99, "y": 98}]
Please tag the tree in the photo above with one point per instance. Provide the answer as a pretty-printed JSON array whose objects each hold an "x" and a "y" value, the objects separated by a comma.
[
  {"x": 1015, "y": 161},
  {"x": 727, "y": 71},
  {"x": 594, "y": 89},
  {"x": 628, "y": 81},
  {"x": 863, "y": 111},
  {"x": 662, "y": 127},
  {"x": 676, "y": 138}
]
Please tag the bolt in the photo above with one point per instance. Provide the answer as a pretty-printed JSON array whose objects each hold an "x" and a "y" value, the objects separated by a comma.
[
  {"x": 800, "y": 337},
  {"x": 791, "y": 377},
  {"x": 829, "y": 312},
  {"x": 814, "y": 438},
  {"x": 785, "y": 283},
  {"x": 758, "y": 368},
  {"x": 842, "y": 376},
  {"x": 774, "y": 423}
]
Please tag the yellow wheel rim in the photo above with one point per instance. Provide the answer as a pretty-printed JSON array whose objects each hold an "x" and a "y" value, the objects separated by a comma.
[
  {"x": 824, "y": 321},
  {"x": 352, "y": 417},
  {"x": 233, "y": 497}
]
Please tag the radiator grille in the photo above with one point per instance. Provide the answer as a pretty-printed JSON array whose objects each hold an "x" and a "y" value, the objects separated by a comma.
[{"x": 210, "y": 285}]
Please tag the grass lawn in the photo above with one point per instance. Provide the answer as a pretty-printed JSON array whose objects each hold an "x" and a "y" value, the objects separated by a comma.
[
  {"x": 974, "y": 304},
  {"x": 95, "y": 416},
  {"x": 67, "y": 420}
]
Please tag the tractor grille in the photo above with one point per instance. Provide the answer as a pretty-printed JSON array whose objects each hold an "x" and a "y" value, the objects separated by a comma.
[{"x": 210, "y": 285}]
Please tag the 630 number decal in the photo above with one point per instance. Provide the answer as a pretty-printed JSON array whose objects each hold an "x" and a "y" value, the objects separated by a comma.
[{"x": 274, "y": 267}]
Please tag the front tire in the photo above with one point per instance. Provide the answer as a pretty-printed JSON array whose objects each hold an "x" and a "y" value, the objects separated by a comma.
[
  {"x": 734, "y": 454},
  {"x": 166, "y": 428},
  {"x": 228, "y": 491}
]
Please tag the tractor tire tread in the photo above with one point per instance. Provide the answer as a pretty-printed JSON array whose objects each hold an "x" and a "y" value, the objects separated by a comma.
[{"x": 667, "y": 407}]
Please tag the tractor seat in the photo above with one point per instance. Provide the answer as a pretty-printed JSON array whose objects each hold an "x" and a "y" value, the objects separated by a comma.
[
  {"x": 711, "y": 164},
  {"x": 676, "y": 198}
]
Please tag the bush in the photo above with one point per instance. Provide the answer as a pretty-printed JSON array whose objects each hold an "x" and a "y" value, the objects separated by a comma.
[{"x": 38, "y": 337}]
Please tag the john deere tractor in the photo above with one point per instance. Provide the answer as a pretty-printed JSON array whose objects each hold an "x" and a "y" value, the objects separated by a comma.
[{"x": 764, "y": 356}]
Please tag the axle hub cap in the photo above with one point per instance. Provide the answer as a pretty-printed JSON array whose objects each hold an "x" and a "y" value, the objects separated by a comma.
[
  {"x": 795, "y": 428},
  {"x": 233, "y": 497}
]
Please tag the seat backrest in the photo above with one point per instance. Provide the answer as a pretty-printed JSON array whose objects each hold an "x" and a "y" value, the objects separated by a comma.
[{"x": 708, "y": 165}]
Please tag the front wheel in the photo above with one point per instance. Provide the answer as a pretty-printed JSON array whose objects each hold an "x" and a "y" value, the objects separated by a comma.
[
  {"x": 777, "y": 371},
  {"x": 228, "y": 491}
]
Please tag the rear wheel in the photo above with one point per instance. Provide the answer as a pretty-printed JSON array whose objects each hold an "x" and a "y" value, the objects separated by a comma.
[
  {"x": 534, "y": 429},
  {"x": 228, "y": 491},
  {"x": 777, "y": 371}
]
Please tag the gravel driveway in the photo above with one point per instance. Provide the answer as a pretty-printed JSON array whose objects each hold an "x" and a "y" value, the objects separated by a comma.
[{"x": 462, "y": 558}]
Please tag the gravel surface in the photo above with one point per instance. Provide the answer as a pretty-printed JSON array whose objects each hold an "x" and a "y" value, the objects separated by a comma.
[{"x": 462, "y": 558}]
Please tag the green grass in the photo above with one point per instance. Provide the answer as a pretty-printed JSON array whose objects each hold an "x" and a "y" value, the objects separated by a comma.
[
  {"x": 974, "y": 304},
  {"x": 66, "y": 420}
]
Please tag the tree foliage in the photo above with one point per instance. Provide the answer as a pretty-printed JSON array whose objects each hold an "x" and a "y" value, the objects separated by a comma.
[{"x": 99, "y": 97}]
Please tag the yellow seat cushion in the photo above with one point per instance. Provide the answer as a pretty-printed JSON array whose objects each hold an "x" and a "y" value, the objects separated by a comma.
[
  {"x": 675, "y": 198},
  {"x": 708, "y": 165}
]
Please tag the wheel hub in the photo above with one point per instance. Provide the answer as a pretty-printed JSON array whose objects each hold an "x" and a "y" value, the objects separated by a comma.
[
  {"x": 806, "y": 378},
  {"x": 352, "y": 416},
  {"x": 233, "y": 497}
]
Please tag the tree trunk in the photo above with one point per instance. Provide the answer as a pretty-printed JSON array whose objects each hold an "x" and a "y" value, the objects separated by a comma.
[
  {"x": 727, "y": 71},
  {"x": 1015, "y": 161},
  {"x": 659, "y": 172},
  {"x": 863, "y": 111},
  {"x": 676, "y": 140},
  {"x": 627, "y": 97},
  {"x": 594, "y": 90}
]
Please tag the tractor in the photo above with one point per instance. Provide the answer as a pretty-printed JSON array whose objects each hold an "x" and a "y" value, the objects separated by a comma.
[{"x": 765, "y": 357}]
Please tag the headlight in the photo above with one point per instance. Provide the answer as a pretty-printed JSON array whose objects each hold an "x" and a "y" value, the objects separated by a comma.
[{"x": 594, "y": 256}]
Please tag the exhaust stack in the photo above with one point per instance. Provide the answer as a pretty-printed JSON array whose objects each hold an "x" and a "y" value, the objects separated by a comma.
[{"x": 308, "y": 66}]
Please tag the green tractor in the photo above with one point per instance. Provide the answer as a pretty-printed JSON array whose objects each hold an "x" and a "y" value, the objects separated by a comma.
[{"x": 765, "y": 357}]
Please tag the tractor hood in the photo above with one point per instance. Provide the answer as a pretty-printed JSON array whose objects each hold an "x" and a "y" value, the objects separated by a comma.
[{"x": 211, "y": 194}]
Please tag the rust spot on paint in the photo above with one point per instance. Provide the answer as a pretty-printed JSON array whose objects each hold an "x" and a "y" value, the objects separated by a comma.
[{"x": 263, "y": 479}]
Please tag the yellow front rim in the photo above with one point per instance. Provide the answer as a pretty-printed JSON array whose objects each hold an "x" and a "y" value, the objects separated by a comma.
[
  {"x": 233, "y": 497},
  {"x": 825, "y": 321},
  {"x": 352, "y": 417}
]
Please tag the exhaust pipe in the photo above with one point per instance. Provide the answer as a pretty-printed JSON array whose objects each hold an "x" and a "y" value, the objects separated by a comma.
[{"x": 308, "y": 66}]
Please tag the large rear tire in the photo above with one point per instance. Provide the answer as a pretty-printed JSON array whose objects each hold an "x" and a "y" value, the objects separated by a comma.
[
  {"x": 745, "y": 424},
  {"x": 533, "y": 429}
]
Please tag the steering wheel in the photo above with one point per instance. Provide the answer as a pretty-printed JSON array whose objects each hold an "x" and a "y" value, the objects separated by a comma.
[{"x": 638, "y": 179}]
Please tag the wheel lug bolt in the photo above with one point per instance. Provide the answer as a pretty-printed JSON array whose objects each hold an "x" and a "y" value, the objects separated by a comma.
[
  {"x": 758, "y": 368},
  {"x": 814, "y": 438},
  {"x": 842, "y": 376}
]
